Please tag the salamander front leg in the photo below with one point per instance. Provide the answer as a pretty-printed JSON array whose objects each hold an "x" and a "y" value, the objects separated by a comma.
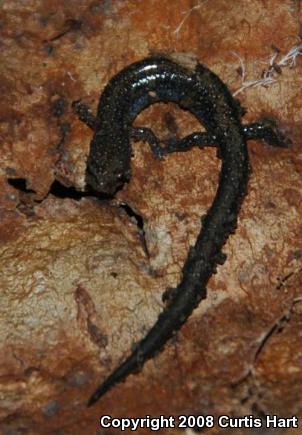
[
  {"x": 146, "y": 134},
  {"x": 84, "y": 114}
]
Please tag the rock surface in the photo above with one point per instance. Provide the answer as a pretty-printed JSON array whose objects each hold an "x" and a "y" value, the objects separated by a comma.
[{"x": 81, "y": 281}]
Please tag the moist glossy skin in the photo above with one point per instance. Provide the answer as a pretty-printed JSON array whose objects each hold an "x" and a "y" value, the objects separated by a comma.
[
  {"x": 135, "y": 88},
  {"x": 202, "y": 93}
]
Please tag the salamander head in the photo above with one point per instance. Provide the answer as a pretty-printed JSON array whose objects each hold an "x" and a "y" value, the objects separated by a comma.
[
  {"x": 108, "y": 164},
  {"x": 106, "y": 180}
]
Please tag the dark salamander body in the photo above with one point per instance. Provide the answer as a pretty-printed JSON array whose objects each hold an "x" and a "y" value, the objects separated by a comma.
[{"x": 201, "y": 92}]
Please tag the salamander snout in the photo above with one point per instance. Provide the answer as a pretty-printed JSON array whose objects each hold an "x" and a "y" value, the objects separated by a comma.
[{"x": 106, "y": 182}]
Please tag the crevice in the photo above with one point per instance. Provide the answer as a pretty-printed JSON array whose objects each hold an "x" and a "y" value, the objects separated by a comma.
[
  {"x": 277, "y": 327},
  {"x": 87, "y": 317},
  {"x": 282, "y": 281},
  {"x": 57, "y": 189},
  {"x": 20, "y": 184},
  {"x": 258, "y": 411},
  {"x": 140, "y": 225},
  {"x": 71, "y": 25},
  {"x": 64, "y": 131},
  {"x": 253, "y": 397},
  {"x": 131, "y": 213}
]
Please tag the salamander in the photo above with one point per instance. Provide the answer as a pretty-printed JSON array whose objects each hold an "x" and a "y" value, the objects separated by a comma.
[{"x": 201, "y": 92}]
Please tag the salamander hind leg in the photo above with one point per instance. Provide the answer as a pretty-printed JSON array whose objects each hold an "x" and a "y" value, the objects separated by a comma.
[{"x": 197, "y": 139}]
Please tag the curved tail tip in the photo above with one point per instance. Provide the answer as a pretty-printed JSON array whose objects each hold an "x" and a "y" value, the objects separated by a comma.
[
  {"x": 93, "y": 399},
  {"x": 99, "y": 392}
]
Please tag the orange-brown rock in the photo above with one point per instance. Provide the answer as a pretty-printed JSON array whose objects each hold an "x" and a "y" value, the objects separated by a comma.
[{"x": 81, "y": 282}]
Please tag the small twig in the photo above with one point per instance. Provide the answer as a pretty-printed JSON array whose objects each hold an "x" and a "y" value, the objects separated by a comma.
[
  {"x": 186, "y": 16},
  {"x": 289, "y": 59},
  {"x": 255, "y": 83},
  {"x": 269, "y": 75},
  {"x": 264, "y": 81}
]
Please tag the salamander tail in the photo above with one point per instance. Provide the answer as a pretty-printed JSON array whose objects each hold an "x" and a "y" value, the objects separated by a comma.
[{"x": 130, "y": 365}]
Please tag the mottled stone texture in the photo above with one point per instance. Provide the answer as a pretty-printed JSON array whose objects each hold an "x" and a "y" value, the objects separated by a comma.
[{"x": 81, "y": 282}]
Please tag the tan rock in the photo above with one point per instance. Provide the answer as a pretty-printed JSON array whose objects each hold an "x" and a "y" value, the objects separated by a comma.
[{"x": 80, "y": 282}]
